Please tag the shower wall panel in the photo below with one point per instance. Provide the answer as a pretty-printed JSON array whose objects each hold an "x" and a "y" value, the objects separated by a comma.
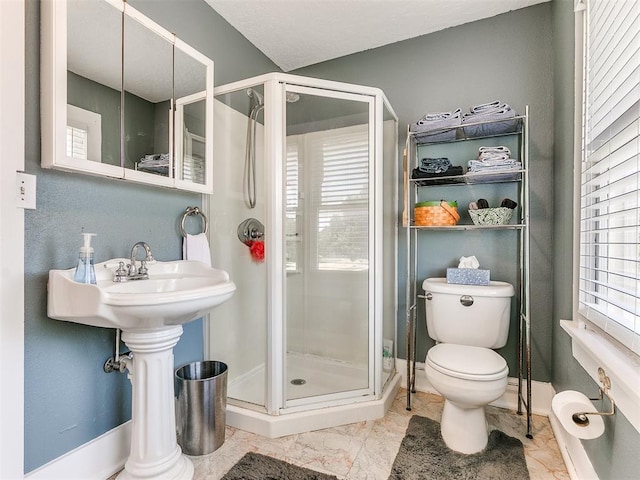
[{"x": 238, "y": 328}]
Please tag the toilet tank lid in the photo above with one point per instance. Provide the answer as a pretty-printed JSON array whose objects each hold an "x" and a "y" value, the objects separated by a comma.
[
  {"x": 466, "y": 359},
  {"x": 494, "y": 289}
]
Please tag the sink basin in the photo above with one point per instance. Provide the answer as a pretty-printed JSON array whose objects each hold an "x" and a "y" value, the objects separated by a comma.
[{"x": 175, "y": 293}]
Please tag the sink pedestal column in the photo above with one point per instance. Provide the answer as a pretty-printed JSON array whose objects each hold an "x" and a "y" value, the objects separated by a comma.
[{"x": 154, "y": 449}]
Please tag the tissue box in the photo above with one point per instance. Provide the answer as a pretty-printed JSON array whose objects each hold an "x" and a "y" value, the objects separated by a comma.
[{"x": 468, "y": 276}]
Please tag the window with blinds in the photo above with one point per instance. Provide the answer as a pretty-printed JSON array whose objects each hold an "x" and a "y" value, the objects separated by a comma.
[
  {"x": 609, "y": 286},
  {"x": 84, "y": 134},
  {"x": 291, "y": 228},
  {"x": 339, "y": 186},
  {"x": 77, "y": 142}
]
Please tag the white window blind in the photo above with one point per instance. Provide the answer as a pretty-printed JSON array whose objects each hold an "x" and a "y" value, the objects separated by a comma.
[
  {"x": 77, "y": 142},
  {"x": 84, "y": 134},
  {"x": 193, "y": 164},
  {"x": 609, "y": 286},
  {"x": 340, "y": 198},
  {"x": 291, "y": 228}
]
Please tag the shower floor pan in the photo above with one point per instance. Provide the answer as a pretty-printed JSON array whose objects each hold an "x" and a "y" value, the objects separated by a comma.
[{"x": 322, "y": 376}]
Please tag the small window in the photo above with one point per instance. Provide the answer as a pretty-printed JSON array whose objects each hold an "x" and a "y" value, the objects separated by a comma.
[
  {"x": 340, "y": 198},
  {"x": 84, "y": 134},
  {"x": 292, "y": 227},
  {"x": 327, "y": 198},
  {"x": 77, "y": 142}
]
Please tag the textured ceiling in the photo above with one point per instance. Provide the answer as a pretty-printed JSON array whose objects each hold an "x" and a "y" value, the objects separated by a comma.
[{"x": 297, "y": 33}]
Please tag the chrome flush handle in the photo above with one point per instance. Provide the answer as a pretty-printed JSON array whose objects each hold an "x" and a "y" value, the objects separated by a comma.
[{"x": 466, "y": 300}]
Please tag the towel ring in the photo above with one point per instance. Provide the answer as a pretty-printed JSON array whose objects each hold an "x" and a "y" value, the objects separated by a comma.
[{"x": 193, "y": 211}]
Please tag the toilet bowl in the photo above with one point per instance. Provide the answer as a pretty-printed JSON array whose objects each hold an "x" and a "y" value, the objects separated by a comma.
[
  {"x": 469, "y": 378},
  {"x": 468, "y": 322}
]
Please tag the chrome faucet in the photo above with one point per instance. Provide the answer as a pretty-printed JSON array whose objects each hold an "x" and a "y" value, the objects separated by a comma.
[
  {"x": 140, "y": 273},
  {"x": 132, "y": 272}
]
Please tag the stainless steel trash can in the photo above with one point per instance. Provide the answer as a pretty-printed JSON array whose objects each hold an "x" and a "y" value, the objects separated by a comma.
[{"x": 201, "y": 403}]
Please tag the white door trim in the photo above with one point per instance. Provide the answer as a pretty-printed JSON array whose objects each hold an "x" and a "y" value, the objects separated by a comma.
[{"x": 12, "y": 118}]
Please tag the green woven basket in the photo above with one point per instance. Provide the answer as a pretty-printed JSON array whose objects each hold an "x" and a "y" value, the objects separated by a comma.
[{"x": 491, "y": 216}]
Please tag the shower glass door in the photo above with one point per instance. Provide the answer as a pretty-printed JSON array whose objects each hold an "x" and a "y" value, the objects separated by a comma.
[{"x": 328, "y": 223}]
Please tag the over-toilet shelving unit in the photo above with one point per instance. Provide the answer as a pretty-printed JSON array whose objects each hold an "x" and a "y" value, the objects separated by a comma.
[{"x": 412, "y": 188}]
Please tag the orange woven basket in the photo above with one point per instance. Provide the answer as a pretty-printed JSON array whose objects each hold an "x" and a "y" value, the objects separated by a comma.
[{"x": 436, "y": 214}]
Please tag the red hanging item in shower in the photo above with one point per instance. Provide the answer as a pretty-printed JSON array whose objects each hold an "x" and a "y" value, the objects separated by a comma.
[{"x": 256, "y": 247}]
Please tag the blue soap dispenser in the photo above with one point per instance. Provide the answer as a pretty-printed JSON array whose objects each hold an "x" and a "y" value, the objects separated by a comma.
[{"x": 85, "y": 271}]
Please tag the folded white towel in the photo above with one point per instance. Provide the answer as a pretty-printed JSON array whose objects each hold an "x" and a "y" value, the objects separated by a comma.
[
  {"x": 499, "y": 148},
  {"x": 196, "y": 247},
  {"x": 493, "y": 165},
  {"x": 493, "y": 156}
]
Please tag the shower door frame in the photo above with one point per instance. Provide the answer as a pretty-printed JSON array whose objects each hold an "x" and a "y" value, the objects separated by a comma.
[
  {"x": 275, "y": 85},
  {"x": 369, "y": 101}
]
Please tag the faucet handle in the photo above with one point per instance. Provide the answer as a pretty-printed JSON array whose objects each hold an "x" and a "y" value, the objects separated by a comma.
[
  {"x": 143, "y": 268},
  {"x": 120, "y": 273}
]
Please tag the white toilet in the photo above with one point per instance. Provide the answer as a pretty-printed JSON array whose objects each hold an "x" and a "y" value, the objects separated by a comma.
[{"x": 467, "y": 321}]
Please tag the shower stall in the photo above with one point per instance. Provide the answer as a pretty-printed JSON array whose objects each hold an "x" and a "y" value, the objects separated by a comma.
[{"x": 304, "y": 219}]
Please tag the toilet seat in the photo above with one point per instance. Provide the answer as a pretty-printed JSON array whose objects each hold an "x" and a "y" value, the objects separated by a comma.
[{"x": 467, "y": 362}]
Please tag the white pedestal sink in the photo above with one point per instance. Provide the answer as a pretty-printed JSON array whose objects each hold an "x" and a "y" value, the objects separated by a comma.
[{"x": 150, "y": 314}]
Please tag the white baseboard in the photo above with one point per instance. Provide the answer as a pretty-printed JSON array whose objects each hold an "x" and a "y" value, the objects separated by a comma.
[
  {"x": 575, "y": 457},
  {"x": 541, "y": 393},
  {"x": 97, "y": 459}
]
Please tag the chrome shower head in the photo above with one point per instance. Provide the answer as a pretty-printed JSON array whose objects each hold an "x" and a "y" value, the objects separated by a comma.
[
  {"x": 292, "y": 97},
  {"x": 256, "y": 95}
]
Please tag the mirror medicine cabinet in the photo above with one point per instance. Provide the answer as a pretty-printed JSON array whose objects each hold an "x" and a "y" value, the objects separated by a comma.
[{"x": 122, "y": 97}]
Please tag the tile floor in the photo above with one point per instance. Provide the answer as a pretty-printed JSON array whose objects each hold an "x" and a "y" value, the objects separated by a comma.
[{"x": 366, "y": 450}]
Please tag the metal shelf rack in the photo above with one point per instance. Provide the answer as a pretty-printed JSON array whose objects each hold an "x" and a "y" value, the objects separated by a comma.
[{"x": 411, "y": 189}]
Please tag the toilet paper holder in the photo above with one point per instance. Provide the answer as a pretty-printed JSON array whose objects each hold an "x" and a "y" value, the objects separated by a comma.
[{"x": 580, "y": 418}]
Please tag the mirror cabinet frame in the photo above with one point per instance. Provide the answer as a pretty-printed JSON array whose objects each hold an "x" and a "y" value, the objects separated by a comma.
[{"x": 53, "y": 104}]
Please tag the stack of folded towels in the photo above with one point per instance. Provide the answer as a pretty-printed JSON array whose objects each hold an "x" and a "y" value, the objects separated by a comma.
[
  {"x": 157, "y": 162},
  {"x": 489, "y": 112},
  {"x": 493, "y": 159},
  {"x": 436, "y": 167},
  {"x": 438, "y": 127}
]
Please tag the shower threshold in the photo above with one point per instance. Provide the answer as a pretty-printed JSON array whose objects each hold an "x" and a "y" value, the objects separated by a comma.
[{"x": 359, "y": 409}]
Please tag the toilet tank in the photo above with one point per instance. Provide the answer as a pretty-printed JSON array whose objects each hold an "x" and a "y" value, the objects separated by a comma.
[{"x": 476, "y": 315}]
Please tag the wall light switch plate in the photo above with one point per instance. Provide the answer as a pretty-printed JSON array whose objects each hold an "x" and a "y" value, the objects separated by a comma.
[{"x": 26, "y": 190}]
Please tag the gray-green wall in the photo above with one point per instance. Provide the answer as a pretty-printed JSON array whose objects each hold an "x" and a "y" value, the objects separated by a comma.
[
  {"x": 614, "y": 455},
  {"x": 523, "y": 57},
  {"x": 508, "y": 58},
  {"x": 69, "y": 400}
]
